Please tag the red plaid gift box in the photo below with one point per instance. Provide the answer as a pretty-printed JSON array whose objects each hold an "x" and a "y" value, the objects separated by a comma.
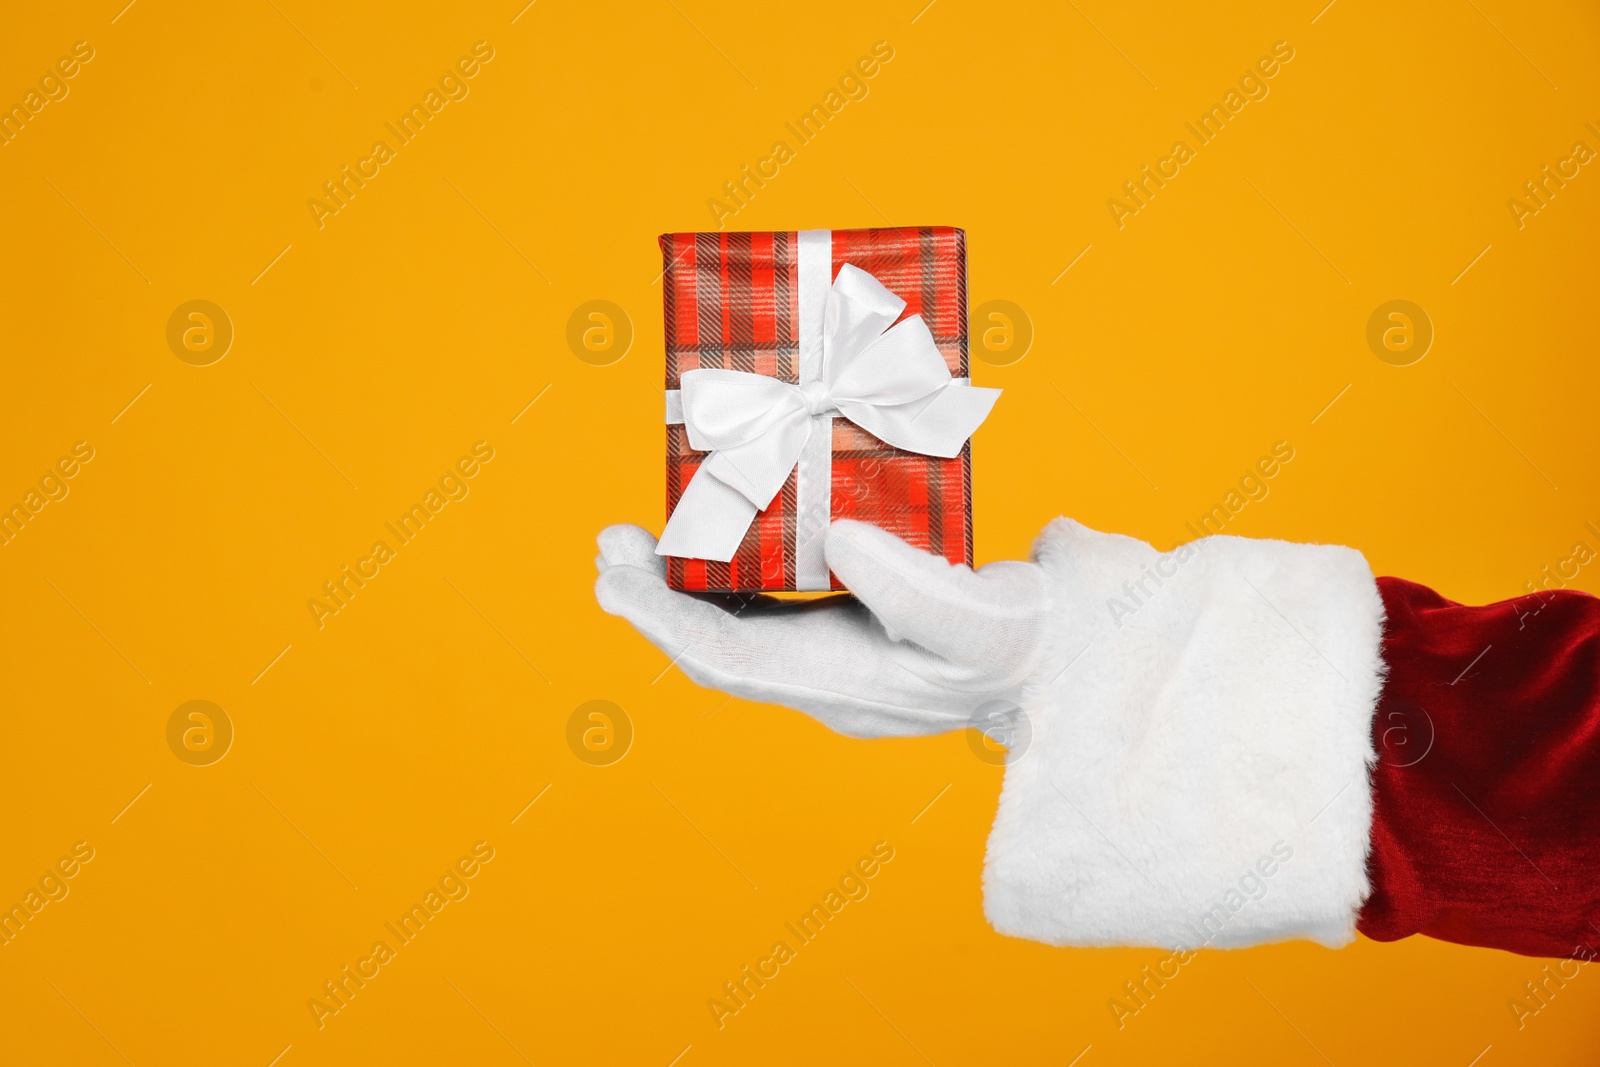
[{"x": 737, "y": 302}]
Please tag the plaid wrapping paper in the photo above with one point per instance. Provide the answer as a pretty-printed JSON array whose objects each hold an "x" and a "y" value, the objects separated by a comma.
[{"x": 731, "y": 301}]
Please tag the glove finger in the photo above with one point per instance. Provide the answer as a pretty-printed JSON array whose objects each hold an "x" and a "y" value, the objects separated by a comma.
[
  {"x": 631, "y": 546},
  {"x": 826, "y": 658},
  {"x": 674, "y": 622},
  {"x": 992, "y": 616}
]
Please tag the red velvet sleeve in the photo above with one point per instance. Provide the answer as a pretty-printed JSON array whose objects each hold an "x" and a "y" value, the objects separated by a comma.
[{"x": 1486, "y": 794}]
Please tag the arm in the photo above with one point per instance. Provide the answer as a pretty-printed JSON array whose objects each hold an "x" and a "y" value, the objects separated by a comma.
[
  {"x": 1486, "y": 820},
  {"x": 1193, "y": 733}
]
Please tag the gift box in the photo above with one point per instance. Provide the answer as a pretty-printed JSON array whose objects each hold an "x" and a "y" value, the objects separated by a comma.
[{"x": 812, "y": 376}]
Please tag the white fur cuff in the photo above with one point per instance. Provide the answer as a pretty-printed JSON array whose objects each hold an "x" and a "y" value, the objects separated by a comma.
[{"x": 1197, "y": 773}]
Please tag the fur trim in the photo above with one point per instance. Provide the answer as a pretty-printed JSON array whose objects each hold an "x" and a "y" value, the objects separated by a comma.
[{"x": 1198, "y": 769}]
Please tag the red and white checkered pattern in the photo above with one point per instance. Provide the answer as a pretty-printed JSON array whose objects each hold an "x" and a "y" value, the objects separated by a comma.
[{"x": 731, "y": 302}]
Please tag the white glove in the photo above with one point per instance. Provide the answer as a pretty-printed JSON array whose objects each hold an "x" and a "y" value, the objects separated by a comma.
[
  {"x": 925, "y": 644},
  {"x": 1195, "y": 717}
]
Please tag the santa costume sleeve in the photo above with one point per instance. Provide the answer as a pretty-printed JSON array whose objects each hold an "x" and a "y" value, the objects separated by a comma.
[
  {"x": 1252, "y": 741},
  {"x": 1486, "y": 816}
]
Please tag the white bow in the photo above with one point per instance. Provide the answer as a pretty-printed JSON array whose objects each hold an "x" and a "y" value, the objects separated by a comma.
[{"x": 892, "y": 382}]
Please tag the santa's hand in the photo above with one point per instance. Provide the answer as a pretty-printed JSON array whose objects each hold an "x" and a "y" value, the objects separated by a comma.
[
  {"x": 919, "y": 648},
  {"x": 1197, "y": 721}
]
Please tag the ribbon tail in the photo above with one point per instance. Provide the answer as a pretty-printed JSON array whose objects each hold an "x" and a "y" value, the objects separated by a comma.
[
  {"x": 935, "y": 425},
  {"x": 709, "y": 522}
]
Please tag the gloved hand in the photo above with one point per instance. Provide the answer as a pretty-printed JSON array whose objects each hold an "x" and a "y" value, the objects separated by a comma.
[
  {"x": 1195, "y": 717},
  {"x": 920, "y": 646}
]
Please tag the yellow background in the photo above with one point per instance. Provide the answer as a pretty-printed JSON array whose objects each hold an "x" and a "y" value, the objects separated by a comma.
[{"x": 428, "y": 313}]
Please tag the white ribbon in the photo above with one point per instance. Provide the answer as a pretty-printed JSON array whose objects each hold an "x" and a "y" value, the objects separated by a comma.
[{"x": 890, "y": 381}]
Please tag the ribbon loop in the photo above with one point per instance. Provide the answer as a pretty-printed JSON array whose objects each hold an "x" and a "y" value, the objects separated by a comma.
[
  {"x": 885, "y": 376},
  {"x": 859, "y": 308}
]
